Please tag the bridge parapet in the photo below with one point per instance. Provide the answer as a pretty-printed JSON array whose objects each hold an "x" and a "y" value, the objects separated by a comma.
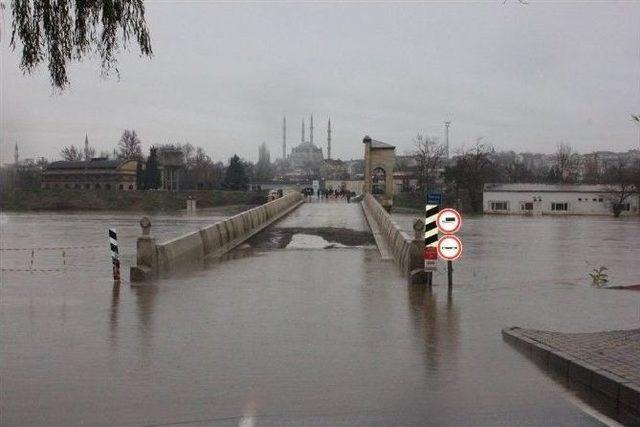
[
  {"x": 190, "y": 250},
  {"x": 406, "y": 250}
]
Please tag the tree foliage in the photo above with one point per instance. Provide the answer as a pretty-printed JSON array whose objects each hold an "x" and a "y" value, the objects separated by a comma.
[
  {"x": 129, "y": 146},
  {"x": 58, "y": 32},
  {"x": 71, "y": 153},
  {"x": 200, "y": 171},
  {"x": 472, "y": 170},
  {"x": 264, "y": 170},
  {"x": 236, "y": 175},
  {"x": 152, "y": 179}
]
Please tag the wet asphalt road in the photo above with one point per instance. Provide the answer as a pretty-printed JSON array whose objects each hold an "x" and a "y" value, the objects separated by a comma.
[{"x": 303, "y": 335}]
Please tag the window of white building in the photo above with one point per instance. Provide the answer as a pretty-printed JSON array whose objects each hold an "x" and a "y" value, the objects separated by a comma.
[
  {"x": 559, "y": 206},
  {"x": 499, "y": 206}
]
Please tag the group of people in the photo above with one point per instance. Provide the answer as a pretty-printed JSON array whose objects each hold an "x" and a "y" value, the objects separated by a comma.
[{"x": 330, "y": 193}]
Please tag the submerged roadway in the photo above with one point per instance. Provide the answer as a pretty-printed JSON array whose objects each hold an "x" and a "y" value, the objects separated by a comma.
[{"x": 302, "y": 326}]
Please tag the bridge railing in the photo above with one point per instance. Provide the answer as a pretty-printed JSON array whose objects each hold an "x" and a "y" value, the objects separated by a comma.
[
  {"x": 406, "y": 250},
  {"x": 190, "y": 250}
]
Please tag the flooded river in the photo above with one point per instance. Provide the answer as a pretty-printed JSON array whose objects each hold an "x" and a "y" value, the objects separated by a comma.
[{"x": 299, "y": 336}]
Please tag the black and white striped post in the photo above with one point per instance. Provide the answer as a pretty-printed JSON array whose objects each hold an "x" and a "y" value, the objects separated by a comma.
[
  {"x": 430, "y": 240},
  {"x": 115, "y": 260}
]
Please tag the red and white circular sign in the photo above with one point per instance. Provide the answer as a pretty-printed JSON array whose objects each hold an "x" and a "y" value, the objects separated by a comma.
[
  {"x": 449, "y": 221},
  {"x": 449, "y": 248}
]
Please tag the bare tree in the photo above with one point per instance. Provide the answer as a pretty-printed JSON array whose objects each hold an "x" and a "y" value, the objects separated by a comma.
[
  {"x": 129, "y": 146},
  {"x": 71, "y": 153},
  {"x": 567, "y": 164},
  {"x": 89, "y": 153},
  {"x": 57, "y": 32},
  {"x": 591, "y": 169},
  {"x": 621, "y": 181},
  {"x": 430, "y": 156},
  {"x": 473, "y": 168}
]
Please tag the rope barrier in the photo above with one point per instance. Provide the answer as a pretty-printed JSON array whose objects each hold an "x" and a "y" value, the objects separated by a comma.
[
  {"x": 36, "y": 270},
  {"x": 52, "y": 248}
]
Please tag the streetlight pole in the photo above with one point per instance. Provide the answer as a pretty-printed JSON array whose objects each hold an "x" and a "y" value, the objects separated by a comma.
[
  {"x": 446, "y": 136},
  {"x": 636, "y": 119}
]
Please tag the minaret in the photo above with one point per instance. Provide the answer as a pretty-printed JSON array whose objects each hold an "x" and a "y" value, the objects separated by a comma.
[
  {"x": 311, "y": 130},
  {"x": 302, "y": 131},
  {"x": 329, "y": 140},
  {"x": 86, "y": 147},
  {"x": 284, "y": 137},
  {"x": 16, "y": 157}
]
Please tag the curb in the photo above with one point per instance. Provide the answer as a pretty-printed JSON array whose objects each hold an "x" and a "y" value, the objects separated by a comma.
[{"x": 616, "y": 393}]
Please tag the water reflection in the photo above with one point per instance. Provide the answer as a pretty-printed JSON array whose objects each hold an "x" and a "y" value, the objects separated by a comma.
[
  {"x": 113, "y": 314},
  {"x": 145, "y": 311},
  {"x": 436, "y": 323}
]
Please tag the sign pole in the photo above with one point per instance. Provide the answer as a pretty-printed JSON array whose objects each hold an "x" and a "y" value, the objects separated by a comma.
[{"x": 449, "y": 246}]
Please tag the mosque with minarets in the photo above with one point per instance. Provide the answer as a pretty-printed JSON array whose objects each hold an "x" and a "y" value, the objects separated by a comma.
[{"x": 305, "y": 155}]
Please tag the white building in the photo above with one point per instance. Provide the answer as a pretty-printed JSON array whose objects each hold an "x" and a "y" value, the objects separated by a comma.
[{"x": 545, "y": 199}]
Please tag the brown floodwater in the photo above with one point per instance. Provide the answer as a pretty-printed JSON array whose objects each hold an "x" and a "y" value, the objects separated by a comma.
[{"x": 297, "y": 336}]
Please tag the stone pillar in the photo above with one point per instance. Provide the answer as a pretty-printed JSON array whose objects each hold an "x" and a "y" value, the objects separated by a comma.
[
  {"x": 146, "y": 255},
  {"x": 367, "y": 164},
  {"x": 416, "y": 273}
]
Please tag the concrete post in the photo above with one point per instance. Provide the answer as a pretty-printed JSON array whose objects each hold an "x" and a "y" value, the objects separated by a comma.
[
  {"x": 417, "y": 275},
  {"x": 146, "y": 257}
]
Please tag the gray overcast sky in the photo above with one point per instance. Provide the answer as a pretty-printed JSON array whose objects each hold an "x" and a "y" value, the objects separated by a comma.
[{"x": 523, "y": 76}]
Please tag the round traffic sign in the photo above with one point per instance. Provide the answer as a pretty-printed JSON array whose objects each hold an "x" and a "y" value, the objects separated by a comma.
[
  {"x": 449, "y": 248},
  {"x": 449, "y": 221}
]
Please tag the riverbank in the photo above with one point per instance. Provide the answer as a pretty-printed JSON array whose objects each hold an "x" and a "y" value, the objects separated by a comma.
[{"x": 151, "y": 201}]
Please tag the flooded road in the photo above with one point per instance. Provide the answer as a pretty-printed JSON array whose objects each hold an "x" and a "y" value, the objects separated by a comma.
[{"x": 300, "y": 336}]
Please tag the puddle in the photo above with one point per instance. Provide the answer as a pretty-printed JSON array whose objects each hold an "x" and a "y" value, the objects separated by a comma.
[{"x": 310, "y": 241}]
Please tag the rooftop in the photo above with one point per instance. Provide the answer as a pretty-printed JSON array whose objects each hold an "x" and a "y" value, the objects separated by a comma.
[
  {"x": 377, "y": 144},
  {"x": 96, "y": 163},
  {"x": 546, "y": 188}
]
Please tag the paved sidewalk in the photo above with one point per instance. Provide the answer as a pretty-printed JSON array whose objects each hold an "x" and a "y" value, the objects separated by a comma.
[
  {"x": 615, "y": 351},
  {"x": 608, "y": 362}
]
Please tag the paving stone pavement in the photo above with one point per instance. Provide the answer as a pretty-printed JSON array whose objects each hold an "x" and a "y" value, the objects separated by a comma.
[{"x": 615, "y": 351}]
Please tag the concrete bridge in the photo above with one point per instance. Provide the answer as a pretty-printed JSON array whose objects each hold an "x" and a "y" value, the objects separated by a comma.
[
  {"x": 291, "y": 221},
  {"x": 330, "y": 222}
]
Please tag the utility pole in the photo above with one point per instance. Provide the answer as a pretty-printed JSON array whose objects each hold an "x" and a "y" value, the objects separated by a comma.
[
  {"x": 284, "y": 137},
  {"x": 329, "y": 140},
  {"x": 446, "y": 136}
]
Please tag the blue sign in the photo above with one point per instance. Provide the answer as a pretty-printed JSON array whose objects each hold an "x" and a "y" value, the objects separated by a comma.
[{"x": 434, "y": 199}]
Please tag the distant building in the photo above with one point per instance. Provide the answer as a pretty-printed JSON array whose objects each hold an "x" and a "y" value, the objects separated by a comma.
[
  {"x": 96, "y": 174},
  {"x": 546, "y": 199},
  {"x": 170, "y": 164},
  {"x": 306, "y": 155}
]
